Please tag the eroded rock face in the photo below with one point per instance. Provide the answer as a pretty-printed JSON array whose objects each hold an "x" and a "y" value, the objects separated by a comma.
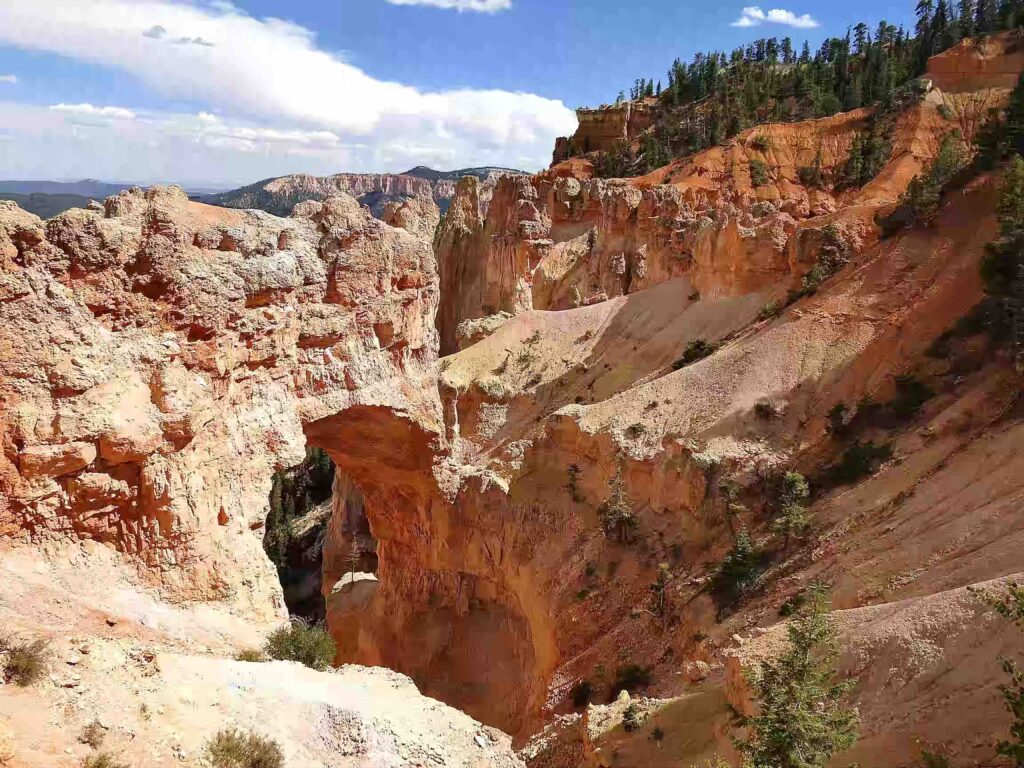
[{"x": 161, "y": 359}]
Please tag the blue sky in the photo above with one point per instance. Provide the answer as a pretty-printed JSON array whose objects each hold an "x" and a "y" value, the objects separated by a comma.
[{"x": 210, "y": 92}]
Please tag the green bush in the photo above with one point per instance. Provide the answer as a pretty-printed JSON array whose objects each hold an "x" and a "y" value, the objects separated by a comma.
[
  {"x": 772, "y": 309},
  {"x": 760, "y": 143},
  {"x": 300, "y": 641},
  {"x": 696, "y": 350},
  {"x": 911, "y": 394},
  {"x": 234, "y": 749},
  {"x": 858, "y": 461},
  {"x": 758, "y": 172},
  {"x": 26, "y": 660},
  {"x": 810, "y": 176}
]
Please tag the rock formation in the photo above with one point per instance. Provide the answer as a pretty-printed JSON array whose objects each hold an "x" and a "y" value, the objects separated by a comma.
[{"x": 162, "y": 358}]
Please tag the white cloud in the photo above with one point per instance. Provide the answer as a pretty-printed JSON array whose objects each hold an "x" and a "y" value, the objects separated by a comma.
[
  {"x": 480, "y": 6},
  {"x": 271, "y": 74},
  {"x": 753, "y": 16},
  {"x": 88, "y": 110},
  {"x": 9, "y": 79}
]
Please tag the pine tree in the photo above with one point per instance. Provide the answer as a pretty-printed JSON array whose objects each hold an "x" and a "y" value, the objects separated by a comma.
[
  {"x": 739, "y": 569},
  {"x": 618, "y": 517},
  {"x": 966, "y": 13},
  {"x": 1011, "y": 606},
  {"x": 1011, "y": 198},
  {"x": 923, "y": 29},
  {"x": 941, "y": 29},
  {"x": 985, "y": 17},
  {"x": 355, "y": 554},
  {"x": 803, "y": 719},
  {"x": 861, "y": 37},
  {"x": 791, "y": 519},
  {"x": 1004, "y": 258},
  {"x": 659, "y": 588}
]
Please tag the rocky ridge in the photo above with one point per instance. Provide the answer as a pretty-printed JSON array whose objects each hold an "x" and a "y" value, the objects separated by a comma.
[{"x": 377, "y": 191}]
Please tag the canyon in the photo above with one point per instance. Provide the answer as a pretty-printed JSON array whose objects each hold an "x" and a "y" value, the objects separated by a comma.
[{"x": 483, "y": 382}]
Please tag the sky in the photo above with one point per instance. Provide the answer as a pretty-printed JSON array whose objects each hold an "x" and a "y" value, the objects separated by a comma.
[{"x": 216, "y": 93}]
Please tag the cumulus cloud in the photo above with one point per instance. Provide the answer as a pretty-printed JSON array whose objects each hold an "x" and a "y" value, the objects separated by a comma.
[
  {"x": 479, "y": 6},
  {"x": 88, "y": 110},
  {"x": 9, "y": 79},
  {"x": 753, "y": 16},
  {"x": 270, "y": 74},
  {"x": 198, "y": 148}
]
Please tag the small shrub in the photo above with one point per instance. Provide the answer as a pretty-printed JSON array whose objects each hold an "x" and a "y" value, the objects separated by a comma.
[
  {"x": 299, "y": 641},
  {"x": 810, "y": 176},
  {"x": 26, "y": 660},
  {"x": 772, "y": 309},
  {"x": 630, "y": 677},
  {"x": 102, "y": 760},
  {"x": 93, "y": 734},
  {"x": 858, "y": 461},
  {"x": 636, "y": 430},
  {"x": 573, "y": 473},
  {"x": 760, "y": 143},
  {"x": 657, "y": 734},
  {"x": 631, "y": 720},
  {"x": 931, "y": 759},
  {"x": 696, "y": 350},
  {"x": 251, "y": 655},
  {"x": 911, "y": 394},
  {"x": 792, "y": 605},
  {"x": 837, "y": 419},
  {"x": 758, "y": 172},
  {"x": 581, "y": 693},
  {"x": 235, "y": 749},
  {"x": 765, "y": 409}
]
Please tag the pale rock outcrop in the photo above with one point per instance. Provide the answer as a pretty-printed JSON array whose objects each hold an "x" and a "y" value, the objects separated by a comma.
[{"x": 161, "y": 358}]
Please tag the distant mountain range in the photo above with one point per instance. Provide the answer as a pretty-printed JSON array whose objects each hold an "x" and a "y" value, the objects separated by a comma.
[
  {"x": 47, "y": 199},
  {"x": 88, "y": 188},
  {"x": 280, "y": 195},
  {"x": 46, "y": 205}
]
